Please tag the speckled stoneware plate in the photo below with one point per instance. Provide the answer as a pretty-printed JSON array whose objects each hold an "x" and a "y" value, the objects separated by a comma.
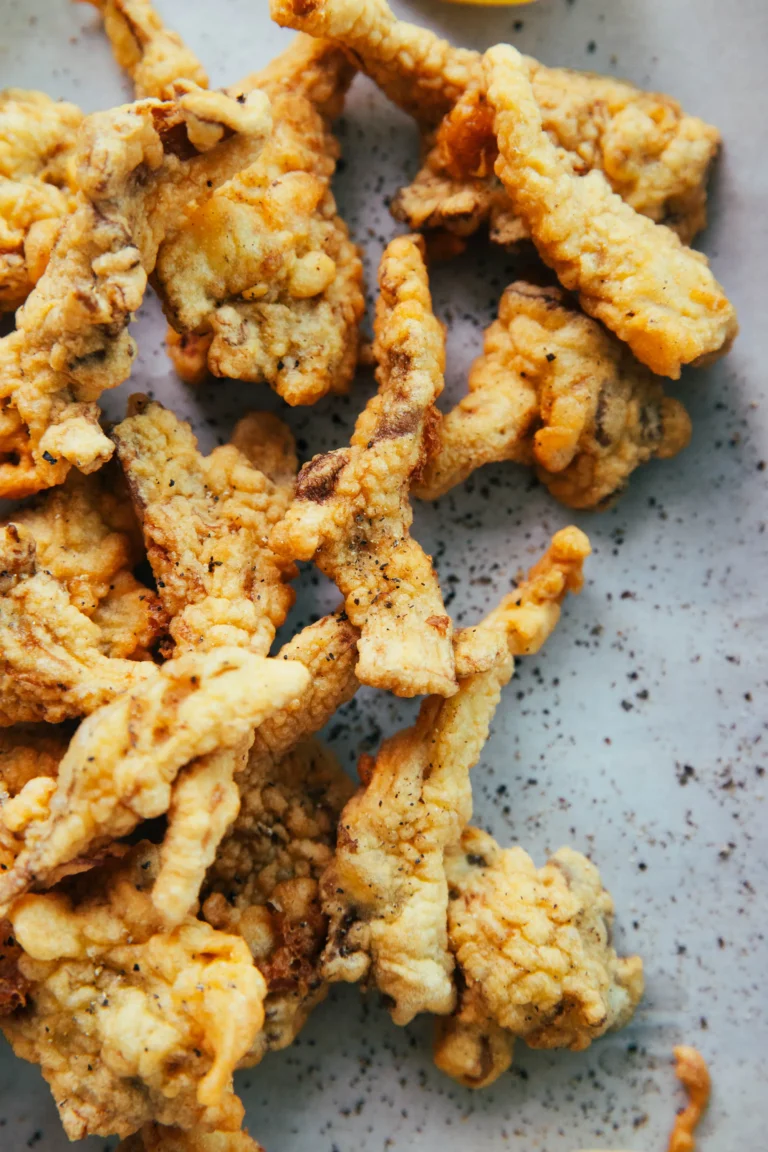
[{"x": 636, "y": 735}]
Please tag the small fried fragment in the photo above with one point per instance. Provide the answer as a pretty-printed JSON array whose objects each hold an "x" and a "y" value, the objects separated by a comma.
[
  {"x": 131, "y": 1024},
  {"x": 122, "y": 762},
  {"x": 152, "y": 55},
  {"x": 385, "y": 891},
  {"x": 636, "y": 276},
  {"x": 263, "y": 272},
  {"x": 156, "y": 1138},
  {"x": 653, "y": 155},
  {"x": 188, "y": 353},
  {"x": 206, "y": 521},
  {"x": 692, "y": 1072},
  {"x": 37, "y": 185},
  {"x": 533, "y": 949},
  {"x": 352, "y": 514},
  {"x": 555, "y": 389},
  {"x": 71, "y": 340}
]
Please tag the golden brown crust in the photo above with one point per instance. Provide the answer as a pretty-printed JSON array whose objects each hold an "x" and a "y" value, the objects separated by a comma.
[
  {"x": 555, "y": 389},
  {"x": 157, "y": 1138},
  {"x": 692, "y": 1072},
  {"x": 352, "y": 514},
  {"x": 206, "y": 520},
  {"x": 534, "y": 951},
  {"x": 71, "y": 340},
  {"x": 130, "y": 1023},
  {"x": 385, "y": 891},
  {"x": 636, "y": 276}
]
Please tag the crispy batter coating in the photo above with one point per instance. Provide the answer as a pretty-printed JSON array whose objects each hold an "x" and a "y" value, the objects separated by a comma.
[
  {"x": 54, "y": 661},
  {"x": 123, "y": 760},
  {"x": 555, "y": 389},
  {"x": 352, "y": 514},
  {"x": 533, "y": 947},
  {"x": 71, "y": 340},
  {"x": 264, "y": 271},
  {"x": 693, "y": 1074},
  {"x": 28, "y": 751},
  {"x": 652, "y": 154},
  {"x": 188, "y": 352},
  {"x": 386, "y": 891},
  {"x": 156, "y": 1138},
  {"x": 153, "y": 56},
  {"x": 129, "y": 1023},
  {"x": 37, "y": 185},
  {"x": 264, "y": 882},
  {"x": 206, "y": 521},
  {"x": 636, "y": 276}
]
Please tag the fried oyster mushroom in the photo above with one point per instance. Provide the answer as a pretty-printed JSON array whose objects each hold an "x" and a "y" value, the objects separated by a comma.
[
  {"x": 263, "y": 276},
  {"x": 157, "y": 1138},
  {"x": 121, "y": 764},
  {"x": 37, "y": 185},
  {"x": 556, "y": 390},
  {"x": 206, "y": 521},
  {"x": 352, "y": 514},
  {"x": 635, "y": 276},
  {"x": 533, "y": 947},
  {"x": 385, "y": 892},
  {"x": 653, "y": 155},
  {"x": 263, "y": 884},
  {"x": 137, "y": 166},
  {"x": 131, "y": 1024}
]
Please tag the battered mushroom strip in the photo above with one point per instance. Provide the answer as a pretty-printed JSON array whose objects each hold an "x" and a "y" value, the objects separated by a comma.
[
  {"x": 37, "y": 185},
  {"x": 556, "y": 390},
  {"x": 533, "y": 948},
  {"x": 152, "y": 55},
  {"x": 155, "y": 1138},
  {"x": 123, "y": 760},
  {"x": 263, "y": 272},
  {"x": 129, "y": 1023},
  {"x": 137, "y": 167},
  {"x": 636, "y": 276},
  {"x": 206, "y": 521},
  {"x": 653, "y": 155},
  {"x": 54, "y": 659},
  {"x": 352, "y": 514},
  {"x": 386, "y": 892},
  {"x": 693, "y": 1074},
  {"x": 264, "y": 882},
  {"x": 28, "y": 752}
]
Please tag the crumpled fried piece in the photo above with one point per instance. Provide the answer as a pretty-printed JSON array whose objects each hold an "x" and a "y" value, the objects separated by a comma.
[
  {"x": 37, "y": 185},
  {"x": 121, "y": 765},
  {"x": 263, "y": 884},
  {"x": 555, "y": 389},
  {"x": 263, "y": 271},
  {"x": 28, "y": 751},
  {"x": 636, "y": 276},
  {"x": 131, "y": 1024},
  {"x": 653, "y": 155},
  {"x": 71, "y": 340},
  {"x": 153, "y": 56},
  {"x": 692, "y": 1072},
  {"x": 206, "y": 521},
  {"x": 156, "y": 1138},
  {"x": 352, "y": 514},
  {"x": 533, "y": 947},
  {"x": 54, "y": 660},
  {"x": 385, "y": 891}
]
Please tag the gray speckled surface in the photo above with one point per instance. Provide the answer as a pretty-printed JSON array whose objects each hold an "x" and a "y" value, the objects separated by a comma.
[{"x": 637, "y": 735}]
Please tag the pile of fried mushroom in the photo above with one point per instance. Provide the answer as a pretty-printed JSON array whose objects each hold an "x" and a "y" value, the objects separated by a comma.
[{"x": 184, "y": 866}]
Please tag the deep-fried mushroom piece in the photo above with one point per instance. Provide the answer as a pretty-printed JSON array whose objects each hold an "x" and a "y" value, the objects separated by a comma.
[
  {"x": 130, "y": 1023},
  {"x": 386, "y": 891},
  {"x": 37, "y": 185},
  {"x": 556, "y": 390},
  {"x": 636, "y": 276},
  {"x": 692, "y": 1072},
  {"x": 352, "y": 513},
  {"x": 533, "y": 947},
  {"x": 137, "y": 166},
  {"x": 123, "y": 760},
  {"x": 157, "y": 1138},
  {"x": 653, "y": 155},
  {"x": 206, "y": 521}
]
